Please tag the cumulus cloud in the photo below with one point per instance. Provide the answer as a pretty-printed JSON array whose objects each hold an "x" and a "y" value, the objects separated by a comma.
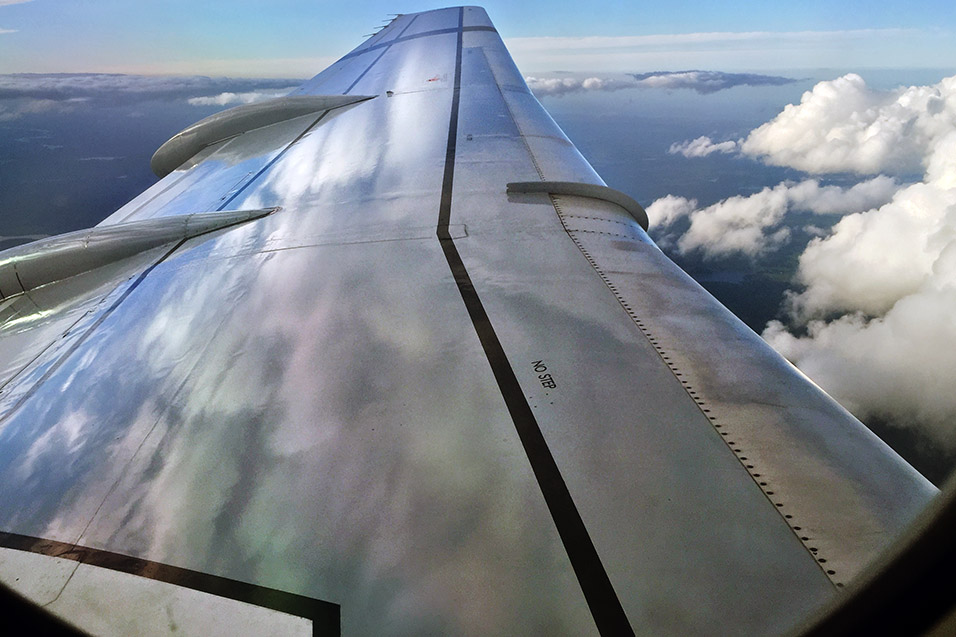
[
  {"x": 700, "y": 81},
  {"x": 845, "y": 126},
  {"x": 873, "y": 319},
  {"x": 754, "y": 225},
  {"x": 898, "y": 366},
  {"x": 227, "y": 98},
  {"x": 701, "y": 147}
]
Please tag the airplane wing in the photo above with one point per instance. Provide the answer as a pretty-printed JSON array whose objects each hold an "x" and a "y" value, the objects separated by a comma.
[{"x": 388, "y": 356}]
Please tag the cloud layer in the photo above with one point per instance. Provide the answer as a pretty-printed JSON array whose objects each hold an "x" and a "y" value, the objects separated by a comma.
[
  {"x": 707, "y": 81},
  {"x": 873, "y": 320},
  {"x": 130, "y": 88},
  {"x": 700, "y": 81},
  {"x": 25, "y": 93},
  {"x": 228, "y": 98}
]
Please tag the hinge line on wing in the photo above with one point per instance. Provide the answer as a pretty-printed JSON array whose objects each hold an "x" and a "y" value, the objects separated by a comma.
[
  {"x": 741, "y": 454},
  {"x": 599, "y": 593}
]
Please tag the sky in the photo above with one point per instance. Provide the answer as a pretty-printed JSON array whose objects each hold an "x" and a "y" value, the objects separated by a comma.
[
  {"x": 800, "y": 152},
  {"x": 297, "y": 38}
]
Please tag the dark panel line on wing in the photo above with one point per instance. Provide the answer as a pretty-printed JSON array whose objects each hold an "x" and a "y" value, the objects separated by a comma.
[
  {"x": 385, "y": 46},
  {"x": 423, "y": 34},
  {"x": 325, "y": 615},
  {"x": 380, "y": 34},
  {"x": 601, "y": 598},
  {"x": 82, "y": 338},
  {"x": 367, "y": 69}
]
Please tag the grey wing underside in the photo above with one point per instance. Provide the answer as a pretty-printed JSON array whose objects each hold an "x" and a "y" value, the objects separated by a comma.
[{"x": 439, "y": 405}]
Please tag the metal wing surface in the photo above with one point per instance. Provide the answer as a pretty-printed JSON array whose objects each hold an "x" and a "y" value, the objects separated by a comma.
[{"x": 414, "y": 396}]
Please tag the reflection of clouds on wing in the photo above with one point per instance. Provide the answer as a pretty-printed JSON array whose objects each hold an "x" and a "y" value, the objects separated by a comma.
[
  {"x": 295, "y": 423},
  {"x": 700, "y": 81},
  {"x": 331, "y": 416},
  {"x": 886, "y": 270}
]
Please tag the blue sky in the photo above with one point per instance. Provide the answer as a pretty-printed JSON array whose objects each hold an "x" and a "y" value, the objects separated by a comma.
[{"x": 295, "y": 38}]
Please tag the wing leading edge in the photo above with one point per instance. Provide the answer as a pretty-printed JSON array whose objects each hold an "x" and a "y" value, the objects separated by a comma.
[{"x": 440, "y": 405}]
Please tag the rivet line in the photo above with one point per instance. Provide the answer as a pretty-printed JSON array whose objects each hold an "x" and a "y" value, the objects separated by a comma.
[{"x": 691, "y": 392}]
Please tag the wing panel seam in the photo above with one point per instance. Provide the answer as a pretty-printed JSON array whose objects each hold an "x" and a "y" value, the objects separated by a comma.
[
  {"x": 719, "y": 427},
  {"x": 602, "y": 600}
]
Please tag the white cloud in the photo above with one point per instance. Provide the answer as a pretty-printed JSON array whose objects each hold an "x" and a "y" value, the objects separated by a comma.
[
  {"x": 873, "y": 320},
  {"x": 11, "y": 112},
  {"x": 700, "y": 81},
  {"x": 224, "y": 99},
  {"x": 2, "y": 30},
  {"x": 707, "y": 81},
  {"x": 899, "y": 366},
  {"x": 844, "y": 126},
  {"x": 666, "y": 210},
  {"x": 701, "y": 147},
  {"x": 738, "y": 224},
  {"x": 4, "y": 3},
  {"x": 889, "y": 272},
  {"x": 129, "y": 88},
  {"x": 754, "y": 224},
  {"x": 558, "y": 86},
  {"x": 874, "y": 259},
  {"x": 810, "y": 195}
]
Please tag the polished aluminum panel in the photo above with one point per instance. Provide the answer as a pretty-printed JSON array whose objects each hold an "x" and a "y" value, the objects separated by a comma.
[
  {"x": 313, "y": 401},
  {"x": 49, "y": 260},
  {"x": 238, "y": 120},
  {"x": 215, "y": 182}
]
